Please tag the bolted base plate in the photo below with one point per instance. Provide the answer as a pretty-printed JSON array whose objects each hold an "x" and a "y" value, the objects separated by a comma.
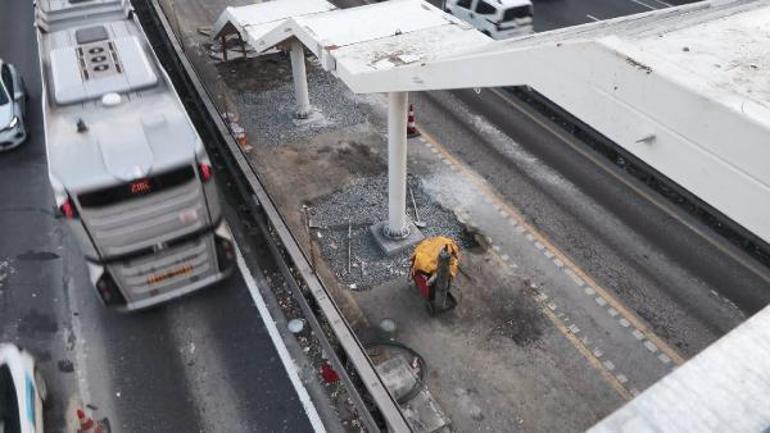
[
  {"x": 392, "y": 246},
  {"x": 312, "y": 118}
]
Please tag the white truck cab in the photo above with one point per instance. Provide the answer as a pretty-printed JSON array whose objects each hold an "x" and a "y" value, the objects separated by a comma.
[{"x": 498, "y": 19}]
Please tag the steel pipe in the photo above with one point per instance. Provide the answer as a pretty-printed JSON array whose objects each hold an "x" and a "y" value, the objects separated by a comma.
[{"x": 397, "y": 227}]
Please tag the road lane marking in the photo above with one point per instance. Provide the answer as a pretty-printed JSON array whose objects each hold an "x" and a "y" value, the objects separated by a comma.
[
  {"x": 594, "y": 361},
  {"x": 756, "y": 268},
  {"x": 280, "y": 347},
  {"x": 591, "y": 17},
  {"x": 665, "y": 4},
  {"x": 651, "y": 347},
  {"x": 570, "y": 333},
  {"x": 643, "y": 4},
  {"x": 569, "y": 266}
]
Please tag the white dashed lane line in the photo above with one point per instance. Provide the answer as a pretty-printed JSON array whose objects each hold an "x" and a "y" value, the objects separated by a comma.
[{"x": 645, "y": 5}]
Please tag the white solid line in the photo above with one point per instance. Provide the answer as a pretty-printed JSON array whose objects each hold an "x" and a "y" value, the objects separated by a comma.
[
  {"x": 592, "y": 17},
  {"x": 666, "y": 4},
  {"x": 643, "y": 4},
  {"x": 288, "y": 363}
]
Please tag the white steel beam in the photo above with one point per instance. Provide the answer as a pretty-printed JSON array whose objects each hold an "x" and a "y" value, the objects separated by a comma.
[
  {"x": 715, "y": 147},
  {"x": 725, "y": 388},
  {"x": 668, "y": 86}
]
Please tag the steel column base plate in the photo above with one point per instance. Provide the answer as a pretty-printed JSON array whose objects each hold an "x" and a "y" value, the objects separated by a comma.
[{"x": 393, "y": 246}]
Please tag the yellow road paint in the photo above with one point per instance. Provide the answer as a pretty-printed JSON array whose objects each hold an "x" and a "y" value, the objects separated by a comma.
[
  {"x": 493, "y": 196},
  {"x": 595, "y": 362},
  {"x": 581, "y": 347}
]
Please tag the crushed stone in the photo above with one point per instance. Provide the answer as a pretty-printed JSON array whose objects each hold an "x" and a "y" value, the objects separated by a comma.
[
  {"x": 334, "y": 106},
  {"x": 363, "y": 203}
]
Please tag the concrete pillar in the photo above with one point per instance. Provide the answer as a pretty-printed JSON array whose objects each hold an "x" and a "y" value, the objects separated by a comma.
[
  {"x": 397, "y": 227},
  {"x": 299, "y": 74}
]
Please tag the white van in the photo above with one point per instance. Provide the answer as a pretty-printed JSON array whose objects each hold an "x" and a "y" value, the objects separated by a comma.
[{"x": 498, "y": 19}]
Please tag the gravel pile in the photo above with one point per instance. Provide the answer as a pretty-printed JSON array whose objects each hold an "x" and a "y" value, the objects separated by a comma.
[
  {"x": 364, "y": 203},
  {"x": 271, "y": 111}
]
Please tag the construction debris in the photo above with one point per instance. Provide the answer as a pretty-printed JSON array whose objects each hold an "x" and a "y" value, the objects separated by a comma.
[
  {"x": 336, "y": 106},
  {"x": 365, "y": 200}
]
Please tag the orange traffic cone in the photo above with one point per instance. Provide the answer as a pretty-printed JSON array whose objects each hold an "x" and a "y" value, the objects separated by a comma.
[{"x": 411, "y": 126}]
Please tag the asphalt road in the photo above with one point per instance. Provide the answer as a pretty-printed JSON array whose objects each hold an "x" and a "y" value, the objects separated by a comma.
[
  {"x": 553, "y": 14},
  {"x": 202, "y": 364},
  {"x": 659, "y": 268},
  {"x": 666, "y": 274},
  {"x": 206, "y": 363}
]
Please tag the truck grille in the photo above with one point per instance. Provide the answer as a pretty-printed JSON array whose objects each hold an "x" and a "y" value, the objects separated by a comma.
[
  {"x": 121, "y": 224},
  {"x": 166, "y": 270}
]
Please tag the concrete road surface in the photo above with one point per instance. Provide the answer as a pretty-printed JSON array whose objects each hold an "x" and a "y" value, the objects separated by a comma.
[{"x": 203, "y": 364}]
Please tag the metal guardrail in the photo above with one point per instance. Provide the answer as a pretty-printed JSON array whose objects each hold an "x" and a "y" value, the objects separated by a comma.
[{"x": 274, "y": 223}]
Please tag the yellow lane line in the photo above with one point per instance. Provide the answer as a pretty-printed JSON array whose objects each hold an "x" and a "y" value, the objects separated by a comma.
[
  {"x": 581, "y": 347},
  {"x": 493, "y": 196},
  {"x": 588, "y": 355}
]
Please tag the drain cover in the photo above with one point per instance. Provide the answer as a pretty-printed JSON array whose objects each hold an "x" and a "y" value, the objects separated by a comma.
[
  {"x": 388, "y": 325},
  {"x": 296, "y": 325}
]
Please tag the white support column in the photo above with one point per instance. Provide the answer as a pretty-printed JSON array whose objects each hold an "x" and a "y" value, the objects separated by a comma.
[
  {"x": 397, "y": 227},
  {"x": 298, "y": 72}
]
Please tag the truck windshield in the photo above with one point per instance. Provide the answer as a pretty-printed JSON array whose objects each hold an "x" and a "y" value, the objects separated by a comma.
[
  {"x": 137, "y": 188},
  {"x": 517, "y": 12}
]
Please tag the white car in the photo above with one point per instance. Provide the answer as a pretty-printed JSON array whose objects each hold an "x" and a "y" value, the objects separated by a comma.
[
  {"x": 13, "y": 106},
  {"x": 498, "y": 19},
  {"x": 22, "y": 392}
]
